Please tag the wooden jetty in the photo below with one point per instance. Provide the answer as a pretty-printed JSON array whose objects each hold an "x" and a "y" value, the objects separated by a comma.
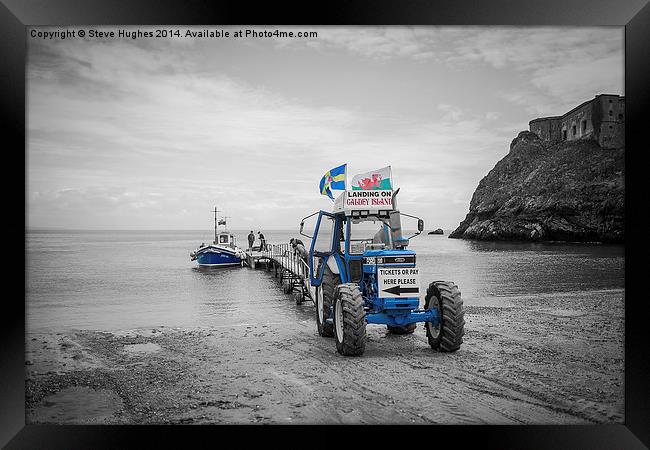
[{"x": 288, "y": 267}]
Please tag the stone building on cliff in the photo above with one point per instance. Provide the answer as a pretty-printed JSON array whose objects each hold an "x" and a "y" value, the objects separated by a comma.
[{"x": 601, "y": 119}]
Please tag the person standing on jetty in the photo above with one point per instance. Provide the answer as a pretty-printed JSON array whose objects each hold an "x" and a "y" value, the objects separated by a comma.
[
  {"x": 293, "y": 242},
  {"x": 262, "y": 241},
  {"x": 299, "y": 249},
  {"x": 251, "y": 239}
]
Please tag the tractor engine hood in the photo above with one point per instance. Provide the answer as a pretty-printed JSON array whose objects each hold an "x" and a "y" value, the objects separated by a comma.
[{"x": 389, "y": 258}]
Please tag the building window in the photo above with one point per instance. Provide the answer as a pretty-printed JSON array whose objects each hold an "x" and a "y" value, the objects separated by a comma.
[
  {"x": 564, "y": 135},
  {"x": 584, "y": 126},
  {"x": 611, "y": 113},
  {"x": 573, "y": 130},
  {"x": 620, "y": 117}
]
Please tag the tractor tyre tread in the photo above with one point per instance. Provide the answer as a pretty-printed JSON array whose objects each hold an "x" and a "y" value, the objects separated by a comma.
[
  {"x": 453, "y": 316},
  {"x": 353, "y": 341},
  {"x": 328, "y": 285}
]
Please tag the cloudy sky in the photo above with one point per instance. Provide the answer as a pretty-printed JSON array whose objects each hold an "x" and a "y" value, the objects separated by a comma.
[{"x": 152, "y": 133}]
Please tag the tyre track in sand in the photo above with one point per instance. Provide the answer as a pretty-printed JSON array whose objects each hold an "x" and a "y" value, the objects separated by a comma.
[{"x": 427, "y": 387}]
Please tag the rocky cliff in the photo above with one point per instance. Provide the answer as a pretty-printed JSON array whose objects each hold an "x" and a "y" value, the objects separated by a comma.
[{"x": 570, "y": 191}]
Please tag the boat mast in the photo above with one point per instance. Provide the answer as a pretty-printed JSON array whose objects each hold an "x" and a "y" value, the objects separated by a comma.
[{"x": 215, "y": 224}]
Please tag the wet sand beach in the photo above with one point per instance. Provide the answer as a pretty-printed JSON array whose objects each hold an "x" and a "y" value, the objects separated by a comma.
[{"x": 553, "y": 359}]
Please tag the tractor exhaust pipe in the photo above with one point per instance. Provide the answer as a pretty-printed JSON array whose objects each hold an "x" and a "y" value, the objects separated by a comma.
[{"x": 396, "y": 225}]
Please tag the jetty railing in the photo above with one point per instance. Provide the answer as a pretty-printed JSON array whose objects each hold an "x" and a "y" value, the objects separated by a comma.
[{"x": 287, "y": 265}]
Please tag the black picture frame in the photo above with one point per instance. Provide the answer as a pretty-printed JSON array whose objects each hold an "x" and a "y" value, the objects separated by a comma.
[{"x": 15, "y": 15}]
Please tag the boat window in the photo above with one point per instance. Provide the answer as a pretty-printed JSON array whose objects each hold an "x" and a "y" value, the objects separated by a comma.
[{"x": 223, "y": 239}]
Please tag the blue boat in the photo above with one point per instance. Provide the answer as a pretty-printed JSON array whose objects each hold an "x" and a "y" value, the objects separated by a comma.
[{"x": 222, "y": 252}]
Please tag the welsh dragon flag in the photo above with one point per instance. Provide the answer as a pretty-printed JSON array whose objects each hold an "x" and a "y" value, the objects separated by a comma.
[{"x": 379, "y": 179}]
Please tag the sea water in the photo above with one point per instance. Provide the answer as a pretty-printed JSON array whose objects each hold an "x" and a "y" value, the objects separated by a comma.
[{"x": 117, "y": 280}]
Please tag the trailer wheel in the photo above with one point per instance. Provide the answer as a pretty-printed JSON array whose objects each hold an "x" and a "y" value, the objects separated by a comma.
[
  {"x": 301, "y": 294},
  {"x": 406, "y": 329},
  {"x": 448, "y": 335},
  {"x": 288, "y": 285},
  {"x": 325, "y": 300},
  {"x": 349, "y": 320}
]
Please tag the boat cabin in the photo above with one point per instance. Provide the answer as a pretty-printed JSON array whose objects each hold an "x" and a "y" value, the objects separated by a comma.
[{"x": 226, "y": 239}]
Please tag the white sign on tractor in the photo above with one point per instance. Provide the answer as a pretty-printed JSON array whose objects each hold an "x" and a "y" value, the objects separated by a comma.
[
  {"x": 398, "y": 281},
  {"x": 371, "y": 201}
]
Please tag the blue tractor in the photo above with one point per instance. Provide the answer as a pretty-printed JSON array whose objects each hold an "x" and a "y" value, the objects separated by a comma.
[{"x": 362, "y": 273}]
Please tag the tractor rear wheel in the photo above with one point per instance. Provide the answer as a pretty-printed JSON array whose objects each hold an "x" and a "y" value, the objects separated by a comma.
[
  {"x": 325, "y": 300},
  {"x": 349, "y": 320},
  {"x": 448, "y": 335},
  {"x": 406, "y": 329}
]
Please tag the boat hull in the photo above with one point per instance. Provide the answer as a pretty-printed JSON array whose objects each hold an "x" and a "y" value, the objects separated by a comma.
[{"x": 216, "y": 257}]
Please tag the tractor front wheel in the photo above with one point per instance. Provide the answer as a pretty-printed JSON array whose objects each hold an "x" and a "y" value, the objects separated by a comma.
[
  {"x": 406, "y": 329},
  {"x": 349, "y": 320},
  {"x": 447, "y": 336}
]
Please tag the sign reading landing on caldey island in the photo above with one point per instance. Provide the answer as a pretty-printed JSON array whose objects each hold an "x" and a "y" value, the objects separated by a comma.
[
  {"x": 370, "y": 200},
  {"x": 399, "y": 282}
]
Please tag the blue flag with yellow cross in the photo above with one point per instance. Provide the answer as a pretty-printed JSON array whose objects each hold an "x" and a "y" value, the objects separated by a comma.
[{"x": 333, "y": 179}]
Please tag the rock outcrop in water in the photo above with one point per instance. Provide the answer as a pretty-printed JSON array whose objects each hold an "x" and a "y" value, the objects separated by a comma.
[{"x": 568, "y": 191}]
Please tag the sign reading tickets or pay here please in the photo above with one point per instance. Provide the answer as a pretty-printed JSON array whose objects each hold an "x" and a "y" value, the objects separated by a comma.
[{"x": 398, "y": 282}]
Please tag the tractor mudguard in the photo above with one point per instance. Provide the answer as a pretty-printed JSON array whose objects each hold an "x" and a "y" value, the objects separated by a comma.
[
  {"x": 333, "y": 264},
  {"x": 340, "y": 267},
  {"x": 336, "y": 265}
]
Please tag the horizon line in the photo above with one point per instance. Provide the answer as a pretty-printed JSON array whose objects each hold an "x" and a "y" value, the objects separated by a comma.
[{"x": 132, "y": 229}]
